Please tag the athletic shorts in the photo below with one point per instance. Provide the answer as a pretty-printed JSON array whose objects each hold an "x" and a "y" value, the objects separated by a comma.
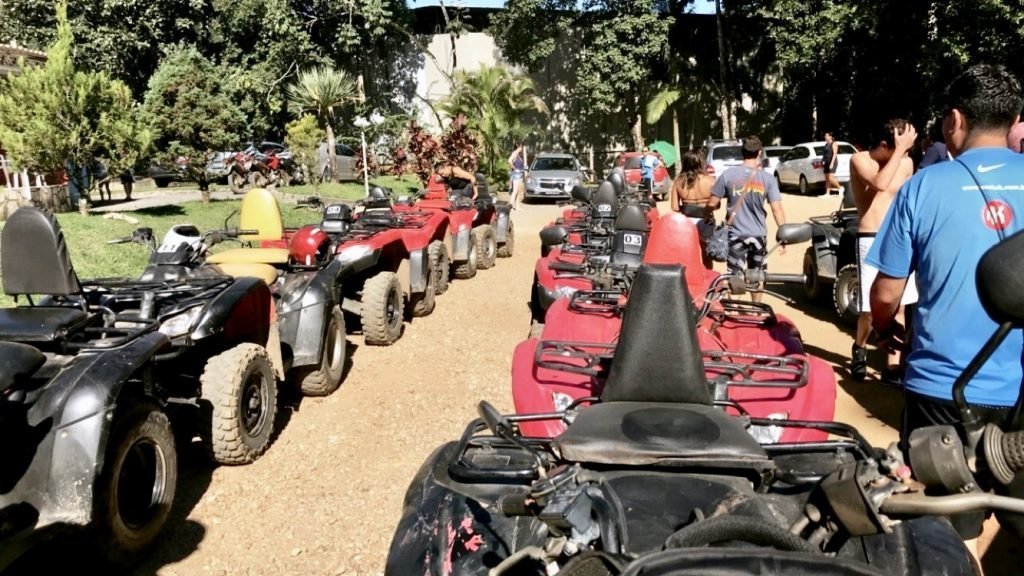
[
  {"x": 829, "y": 169},
  {"x": 867, "y": 273},
  {"x": 920, "y": 411},
  {"x": 746, "y": 253},
  {"x": 516, "y": 175}
]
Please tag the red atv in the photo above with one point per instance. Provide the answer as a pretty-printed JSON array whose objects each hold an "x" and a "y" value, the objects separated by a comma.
[
  {"x": 396, "y": 261},
  {"x": 479, "y": 231},
  {"x": 753, "y": 358},
  {"x": 591, "y": 220}
]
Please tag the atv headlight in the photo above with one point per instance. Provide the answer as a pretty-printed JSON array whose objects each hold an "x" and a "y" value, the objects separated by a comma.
[
  {"x": 354, "y": 253},
  {"x": 564, "y": 291},
  {"x": 180, "y": 324},
  {"x": 769, "y": 434}
]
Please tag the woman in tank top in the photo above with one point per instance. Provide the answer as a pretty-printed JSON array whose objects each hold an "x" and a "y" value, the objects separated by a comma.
[
  {"x": 516, "y": 173},
  {"x": 690, "y": 193}
]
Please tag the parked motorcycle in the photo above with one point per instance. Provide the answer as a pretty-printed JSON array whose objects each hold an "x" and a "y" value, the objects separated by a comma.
[{"x": 258, "y": 169}]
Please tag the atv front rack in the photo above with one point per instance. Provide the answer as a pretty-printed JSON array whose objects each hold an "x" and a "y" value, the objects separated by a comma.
[
  {"x": 722, "y": 367},
  {"x": 743, "y": 312},
  {"x": 596, "y": 302}
]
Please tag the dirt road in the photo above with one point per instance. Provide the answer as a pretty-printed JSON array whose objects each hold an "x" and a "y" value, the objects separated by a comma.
[{"x": 325, "y": 498}]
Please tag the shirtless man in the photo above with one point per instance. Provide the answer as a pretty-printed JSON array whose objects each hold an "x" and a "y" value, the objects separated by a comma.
[{"x": 876, "y": 175}]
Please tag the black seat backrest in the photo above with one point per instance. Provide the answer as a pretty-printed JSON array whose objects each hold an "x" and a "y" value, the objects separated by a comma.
[
  {"x": 630, "y": 236},
  {"x": 606, "y": 202},
  {"x": 618, "y": 182},
  {"x": 658, "y": 357},
  {"x": 34, "y": 256},
  {"x": 483, "y": 191}
]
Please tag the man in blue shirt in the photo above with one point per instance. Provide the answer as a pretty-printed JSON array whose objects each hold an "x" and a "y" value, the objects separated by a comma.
[
  {"x": 939, "y": 225},
  {"x": 648, "y": 162}
]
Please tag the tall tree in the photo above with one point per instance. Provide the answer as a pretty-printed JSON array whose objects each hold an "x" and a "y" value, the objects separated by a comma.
[
  {"x": 618, "y": 44},
  {"x": 55, "y": 116},
  {"x": 493, "y": 100},
  {"x": 190, "y": 111},
  {"x": 323, "y": 92}
]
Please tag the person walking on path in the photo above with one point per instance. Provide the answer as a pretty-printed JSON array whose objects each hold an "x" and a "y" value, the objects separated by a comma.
[
  {"x": 691, "y": 191},
  {"x": 748, "y": 187},
  {"x": 517, "y": 174},
  {"x": 876, "y": 175}
]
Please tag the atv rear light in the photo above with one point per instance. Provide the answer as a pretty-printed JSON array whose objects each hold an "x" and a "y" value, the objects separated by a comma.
[
  {"x": 181, "y": 324},
  {"x": 353, "y": 253},
  {"x": 769, "y": 434}
]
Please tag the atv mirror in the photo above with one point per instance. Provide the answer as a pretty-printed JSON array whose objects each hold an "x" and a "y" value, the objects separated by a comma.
[
  {"x": 496, "y": 423},
  {"x": 553, "y": 236},
  {"x": 794, "y": 233},
  {"x": 580, "y": 193},
  {"x": 1000, "y": 280},
  {"x": 228, "y": 219}
]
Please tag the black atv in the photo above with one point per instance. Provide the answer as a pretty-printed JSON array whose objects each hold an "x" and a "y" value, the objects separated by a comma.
[
  {"x": 82, "y": 398},
  {"x": 656, "y": 477},
  {"x": 830, "y": 263}
]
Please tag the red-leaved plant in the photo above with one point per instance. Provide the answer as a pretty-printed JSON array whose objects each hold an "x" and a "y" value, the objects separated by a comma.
[{"x": 425, "y": 149}]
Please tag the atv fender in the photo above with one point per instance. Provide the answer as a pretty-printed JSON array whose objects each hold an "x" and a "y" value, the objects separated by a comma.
[
  {"x": 460, "y": 252},
  {"x": 504, "y": 216},
  {"x": 404, "y": 273},
  {"x": 238, "y": 314},
  {"x": 65, "y": 434},
  {"x": 419, "y": 265},
  {"x": 303, "y": 313},
  {"x": 443, "y": 524},
  {"x": 826, "y": 256}
]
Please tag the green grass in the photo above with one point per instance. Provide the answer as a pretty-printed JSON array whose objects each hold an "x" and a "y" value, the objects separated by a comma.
[{"x": 92, "y": 257}]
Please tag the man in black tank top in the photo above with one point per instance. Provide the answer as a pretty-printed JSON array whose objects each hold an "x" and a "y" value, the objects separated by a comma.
[{"x": 458, "y": 180}]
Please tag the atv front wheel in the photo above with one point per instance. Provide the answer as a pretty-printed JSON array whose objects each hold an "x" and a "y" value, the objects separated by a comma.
[
  {"x": 437, "y": 253},
  {"x": 382, "y": 309},
  {"x": 326, "y": 378},
  {"x": 423, "y": 303},
  {"x": 486, "y": 246},
  {"x": 506, "y": 248},
  {"x": 846, "y": 294},
  {"x": 467, "y": 269},
  {"x": 813, "y": 288},
  {"x": 133, "y": 494},
  {"x": 258, "y": 180},
  {"x": 240, "y": 387}
]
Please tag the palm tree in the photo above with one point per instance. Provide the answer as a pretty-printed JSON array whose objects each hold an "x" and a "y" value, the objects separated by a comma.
[
  {"x": 659, "y": 104},
  {"x": 322, "y": 91},
  {"x": 493, "y": 100}
]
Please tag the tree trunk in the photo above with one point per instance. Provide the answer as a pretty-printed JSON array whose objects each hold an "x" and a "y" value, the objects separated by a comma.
[
  {"x": 331, "y": 154},
  {"x": 727, "y": 131},
  {"x": 675, "y": 136}
]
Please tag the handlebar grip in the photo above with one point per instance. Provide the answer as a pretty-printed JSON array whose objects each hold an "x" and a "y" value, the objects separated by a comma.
[
  {"x": 565, "y": 267},
  {"x": 1012, "y": 444},
  {"x": 247, "y": 232},
  {"x": 784, "y": 278}
]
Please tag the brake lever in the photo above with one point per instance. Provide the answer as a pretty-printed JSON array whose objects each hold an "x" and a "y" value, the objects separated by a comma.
[{"x": 785, "y": 299}]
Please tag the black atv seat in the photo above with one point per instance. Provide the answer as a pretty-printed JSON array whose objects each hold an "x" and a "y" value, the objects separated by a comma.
[
  {"x": 377, "y": 218},
  {"x": 630, "y": 236},
  {"x": 17, "y": 361},
  {"x": 658, "y": 357},
  {"x": 660, "y": 434},
  {"x": 656, "y": 404},
  {"x": 606, "y": 202},
  {"x": 618, "y": 182},
  {"x": 40, "y": 323}
]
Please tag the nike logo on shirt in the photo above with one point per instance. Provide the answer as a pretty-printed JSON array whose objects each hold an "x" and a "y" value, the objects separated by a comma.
[{"x": 982, "y": 168}]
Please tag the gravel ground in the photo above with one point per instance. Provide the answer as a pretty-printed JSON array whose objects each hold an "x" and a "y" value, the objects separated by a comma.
[{"x": 326, "y": 497}]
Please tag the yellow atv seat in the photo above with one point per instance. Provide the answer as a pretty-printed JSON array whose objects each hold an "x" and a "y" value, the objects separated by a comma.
[
  {"x": 264, "y": 272},
  {"x": 260, "y": 212}
]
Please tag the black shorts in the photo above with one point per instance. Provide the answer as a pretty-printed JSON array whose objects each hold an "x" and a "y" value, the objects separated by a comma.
[
  {"x": 828, "y": 169},
  {"x": 920, "y": 411}
]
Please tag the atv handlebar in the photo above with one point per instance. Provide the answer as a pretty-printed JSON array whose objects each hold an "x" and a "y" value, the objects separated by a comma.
[
  {"x": 565, "y": 267},
  {"x": 920, "y": 505}
]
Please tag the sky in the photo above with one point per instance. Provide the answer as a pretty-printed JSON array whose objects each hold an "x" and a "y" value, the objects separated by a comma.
[{"x": 700, "y": 6}]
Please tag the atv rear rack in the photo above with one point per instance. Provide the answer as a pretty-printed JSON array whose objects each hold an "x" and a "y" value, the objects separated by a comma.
[{"x": 722, "y": 367}]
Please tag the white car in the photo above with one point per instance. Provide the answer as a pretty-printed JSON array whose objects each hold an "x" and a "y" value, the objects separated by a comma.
[
  {"x": 772, "y": 154},
  {"x": 801, "y": 167},
  {"x": 722, "y": 154}
]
